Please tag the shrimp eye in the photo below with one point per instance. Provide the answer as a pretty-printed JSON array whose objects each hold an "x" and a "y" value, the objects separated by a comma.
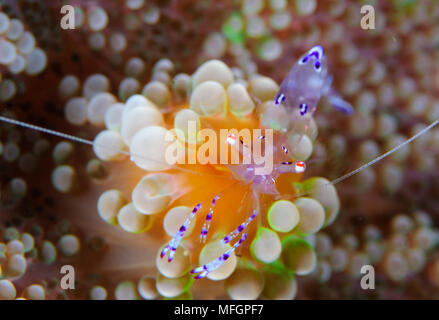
[
  {"x": 317, "y": 65},
  {"x": 303, "y": 109}
]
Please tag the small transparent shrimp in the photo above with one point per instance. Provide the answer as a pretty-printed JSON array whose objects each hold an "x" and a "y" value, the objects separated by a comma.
[
  {"x": 204, "y": 270},
  {"x": 300, "y": 92},
  {"x": 175, "y": 241}
]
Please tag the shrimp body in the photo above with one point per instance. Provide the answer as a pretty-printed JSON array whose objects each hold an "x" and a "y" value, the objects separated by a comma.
[
  {"x": 299, "y": 94},
  {"x": 282, "y": 163}
]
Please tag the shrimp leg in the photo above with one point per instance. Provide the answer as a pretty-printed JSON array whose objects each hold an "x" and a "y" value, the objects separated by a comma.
[
  {"x": 209, "y": 216},
  {"x": 238, "y": 230},
  {"x": 215, "y": 264}
]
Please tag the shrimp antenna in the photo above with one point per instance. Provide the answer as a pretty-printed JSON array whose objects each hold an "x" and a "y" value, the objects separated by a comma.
[
  {"x": 388, "y": 153},
  {"x": 377, "y": 159},
  {"x": 85, "y": 141},
  {"x": 48, "y": 131}
]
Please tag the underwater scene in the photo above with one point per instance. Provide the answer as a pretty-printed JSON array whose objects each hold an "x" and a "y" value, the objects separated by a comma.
[{"x": 219, "y": 149}]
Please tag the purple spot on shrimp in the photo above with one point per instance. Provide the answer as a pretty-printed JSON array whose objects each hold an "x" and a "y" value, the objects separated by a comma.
[
  {"x": 182, "y": 229},
  {"x": 305, "y": 59},
  {"x": 279, "y": 98},
  {"x": 303, "y": 108},
  {"x": 225, "y": 256},
  {"x": 287, "y": 162},
  {"x": 317, "y": 50},
  {"x": 240, "y": 228},
  {"x": 317, "y": 65}
]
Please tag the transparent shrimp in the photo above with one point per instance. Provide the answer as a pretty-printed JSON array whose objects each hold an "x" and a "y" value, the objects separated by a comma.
[
  {"x": 175, "y": 241},
  {"x": 299, "y": 94},
  {"x": 303, "y": 87}
]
